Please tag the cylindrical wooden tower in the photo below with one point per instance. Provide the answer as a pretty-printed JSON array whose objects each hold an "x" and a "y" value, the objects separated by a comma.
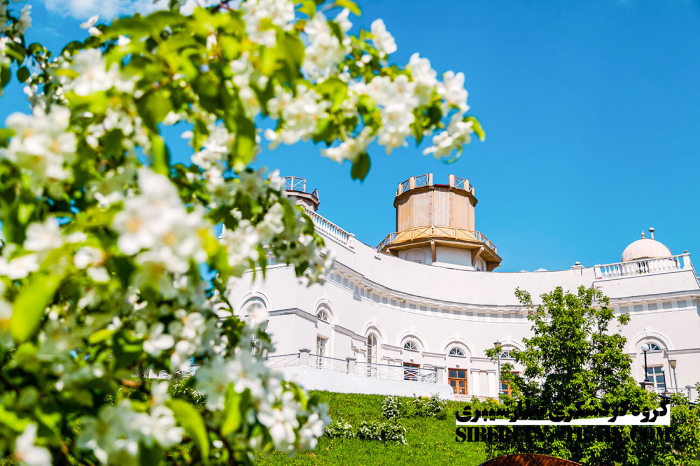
[{"x": 435, "y": 224}]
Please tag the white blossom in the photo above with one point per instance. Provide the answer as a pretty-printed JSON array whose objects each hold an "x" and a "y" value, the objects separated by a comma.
[
  {"x": 156, "y": 219},
  {"x": 458, "y": 134},
  {"x": 300, "y": 114},
  {"x": 383, "y": 40},
  {"x": 278, "y": 12},
  {"x": 27, "y": 453},
  {"x": 42, "y": 143},
  {"x": 424, "y": 76},
  {"x": 93, "y": 75},
  {"x": 325, "y": 50},
  {"x": 25, "y": 20},
  {"x": 453, "y": 92},
  {"x": 19, "y": 267},
  {"x": 281, "y": 422},
  {"x": 43, "y": 237},
  {"x": 352, "y": 148}
]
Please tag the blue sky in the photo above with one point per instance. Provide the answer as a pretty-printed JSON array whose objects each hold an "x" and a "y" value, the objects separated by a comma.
[{"x": 590, "y": 111}]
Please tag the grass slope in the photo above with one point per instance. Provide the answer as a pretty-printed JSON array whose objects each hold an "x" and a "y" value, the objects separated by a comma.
[{"x": 429, "y": 441}]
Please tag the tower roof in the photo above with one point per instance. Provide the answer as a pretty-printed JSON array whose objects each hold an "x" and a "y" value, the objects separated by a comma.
[{"x": 645, "y": 248}]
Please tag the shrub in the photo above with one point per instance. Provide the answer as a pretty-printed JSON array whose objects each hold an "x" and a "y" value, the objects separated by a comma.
[
  {"x": 391, "y": 407},
  {"x": 339, "y": 429},
  {"x": 382, "y": 431}
]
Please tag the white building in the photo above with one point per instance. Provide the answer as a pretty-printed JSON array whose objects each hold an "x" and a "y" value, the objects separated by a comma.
[{"x": 416, "y": 314}]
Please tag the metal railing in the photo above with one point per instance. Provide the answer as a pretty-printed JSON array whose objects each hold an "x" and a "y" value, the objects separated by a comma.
[
  {"x": 293, "y": 183},
  {"x": 397, "y": 372},
  {"x": 406, "y": 185},
  {"x": 331, "y": 230},
  {"x": 644, "y": 267},
  {"x": 436, "y": 232},
  {"x": 349, "y": 366},
  {"x": 328, "y": 364},
  {"x": 284, "y": 360}
]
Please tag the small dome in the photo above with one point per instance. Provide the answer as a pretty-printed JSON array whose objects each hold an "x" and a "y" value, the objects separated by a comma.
[{"x": 645, "y": 249}]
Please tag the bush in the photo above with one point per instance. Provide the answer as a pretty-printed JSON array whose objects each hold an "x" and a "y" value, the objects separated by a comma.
[
  {"x": 394, "y": 408},
  {"x": 339, "y": 429},
  {"x": 382, "y": 431},
  {"x": 391, "y": 407}
]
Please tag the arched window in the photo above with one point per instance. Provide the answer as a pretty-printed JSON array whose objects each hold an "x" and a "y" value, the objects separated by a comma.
[
  {"x": 457, "y": 351},
  {"x": 654, "y": 348},
  {"x": 506, "y": 354},
  {"x": 410, "y": 345},
  {"x": 322, "y": 315},
  {"x": 372, "y": 348}
]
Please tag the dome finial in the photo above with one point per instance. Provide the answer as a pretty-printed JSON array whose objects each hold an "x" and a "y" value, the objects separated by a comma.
[
  {"x": 651, "y": 231},
  {"x": 642, "y": 234}
]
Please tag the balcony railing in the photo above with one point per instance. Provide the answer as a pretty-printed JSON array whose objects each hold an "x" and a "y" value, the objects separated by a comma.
[
  {"x": 396, "y": 372},
  {"x": 436, "y": 232},
  {"x": 644, "y": 267},
  {"x": 293, "y": 183},
  {"x": 349, "y": 366},
  {"x": 330, "y": 229}
]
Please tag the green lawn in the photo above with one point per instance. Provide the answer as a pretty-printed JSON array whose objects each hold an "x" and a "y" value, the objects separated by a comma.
[{"x": 429, "y": 441}]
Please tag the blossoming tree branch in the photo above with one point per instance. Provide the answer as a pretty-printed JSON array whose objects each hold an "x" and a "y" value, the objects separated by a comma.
[{"x": 101, "y": 275}]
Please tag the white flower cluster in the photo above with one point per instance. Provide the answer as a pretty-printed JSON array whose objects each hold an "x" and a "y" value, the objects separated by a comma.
[
  {"x": 244, "y": 73},
  {"x": 42, "y": 145},
  {"x": 301, "y": 115},
  {"x": 325, "y": 51},
  {"x": 114, "y": 436},
  {"x": 383, "y": 39},
  {"x": 156, "y": 226},
  {"x": 130, "y": 126},
  {"x": 93, "y": 75},
  {"x": 396, "y": 101},
  {"x": 27, "y": 453},
  {"x": 276, "y": 408},
  {"x": 255, "y": 12}
]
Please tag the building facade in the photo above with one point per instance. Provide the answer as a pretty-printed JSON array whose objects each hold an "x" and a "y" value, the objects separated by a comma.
[{"x": 416, "y": 314}]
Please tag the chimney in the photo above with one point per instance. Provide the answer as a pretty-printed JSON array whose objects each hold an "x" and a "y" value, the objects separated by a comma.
[{"x": 651, "y": 231}]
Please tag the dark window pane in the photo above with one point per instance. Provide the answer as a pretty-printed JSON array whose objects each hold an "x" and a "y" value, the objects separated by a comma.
[
  {"x": 453, "y": 373},
  {"x": 462, "y": 374}
]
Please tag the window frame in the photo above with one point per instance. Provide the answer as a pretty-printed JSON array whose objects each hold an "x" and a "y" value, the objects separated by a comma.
[
  {"x": 458, "y": 379},
  {"x": 413, "y": 344},
  {"x": 460, "y": 350}
]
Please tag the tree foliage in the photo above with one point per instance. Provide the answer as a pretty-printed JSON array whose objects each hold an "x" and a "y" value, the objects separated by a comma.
[
  {"x": 108, "y": 244},
  {"x": 575, "y": 367}
]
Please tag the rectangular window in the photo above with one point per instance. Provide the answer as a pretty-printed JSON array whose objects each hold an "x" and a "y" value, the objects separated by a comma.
[
  {"x": 458, "y": 381},
  {"x": 320, "y": 350},
  {"x": 656, "y": 376},
  {"x": 668, "y": 304},
  {"x": 410, "y": 371},
  {"x": 505, "y": 386}
]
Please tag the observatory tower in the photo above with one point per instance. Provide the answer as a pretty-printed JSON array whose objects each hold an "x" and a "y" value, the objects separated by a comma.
[{"x": 435, "y": 225}]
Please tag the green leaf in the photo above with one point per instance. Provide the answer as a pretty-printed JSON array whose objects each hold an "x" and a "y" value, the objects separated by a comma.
[
  {"x": 127, "y": 349},
  {"x": 245, "y": 145},
  {"x": 232, "y": 411},
  {"x": 149, "y": 456},
  {"x": 5, "y": 134},
  {"x": 350, "y": 5},
  {"x": 100, "y": 336},
  {"x": 23, "y": 74},
  {"x": 154, "y": 107},
  {"x": 5, "y": 75},
  {"x": 30, "y": 306},
  {"x": 308, "y": 7},
  {"x": 191, "y": 420},
  {"x": 360, "y": 167},
  {"x": 161, "y": 155},
  {"x": 476, "y": 126}
]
